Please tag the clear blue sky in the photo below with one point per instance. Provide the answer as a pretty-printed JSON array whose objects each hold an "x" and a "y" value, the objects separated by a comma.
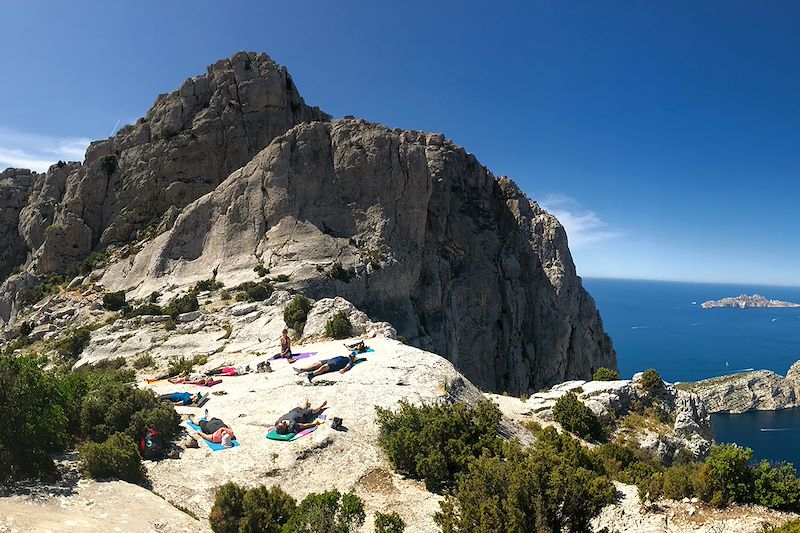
[{"x": 665, "y": 135}]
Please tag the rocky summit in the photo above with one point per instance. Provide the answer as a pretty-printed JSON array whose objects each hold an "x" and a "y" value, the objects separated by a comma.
[{"x": 233, "y": 171}]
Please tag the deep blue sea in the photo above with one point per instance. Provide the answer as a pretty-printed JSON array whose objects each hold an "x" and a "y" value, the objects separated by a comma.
[{"x": 656, "y": 324}]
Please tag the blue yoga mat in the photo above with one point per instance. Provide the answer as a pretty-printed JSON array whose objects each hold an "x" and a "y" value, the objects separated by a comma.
[
  {"x": 368, "y": 350},
  {"x": 215, "y": 446}
]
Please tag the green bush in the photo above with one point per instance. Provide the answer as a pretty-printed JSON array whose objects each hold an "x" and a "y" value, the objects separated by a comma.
[
  {"x": 576, "y": 418},
  {"x": 296, "y": 313},
  {"x": 729, "y": 466},
  {"x": 678, "y": 482},
  {"x": 545, "y": 488},
  {"x": 225, "y": 294},
  {"x": 206, "y": 285},
  {"x": 180, "y": 305},
  {"x": 792, "y": 526},
  {"x": 651, "y": 381},
  {"x": 153, "y": 298},
  {"x": 776, "y": 487},
  {"x": 338, "y": 272},
  {"x": 45, "y": 286},
  {"x": 281, "y": 278},
  {"x": 146, "y": 309},
  {"x": 253, "y": 291},
  {"x": 34, "y": 422},
  {"x": 117, "y": 457},
  {"x": 170, "y": 325},
  {"x": 263, "y": 510},
  {"x": 435, "y": 442},
  {"x": 329, "y": 512},
  {"x": 605, "y": 374},
  {"x": 389, "y": 523},
  {"x": 261, "y": 270},
  {"x": 73, "y": 343},
  {"x": 339, "y": 326},
  {"x": 180, "y": 365},
  {"x": 115, "y": 408},
  {"x": 108, "y": 163},
  {"x": 143, "y": 361},
  {"x": 114, "y": 301}
]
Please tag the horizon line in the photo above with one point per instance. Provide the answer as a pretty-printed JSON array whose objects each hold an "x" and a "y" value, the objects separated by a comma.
[{"x": 698, "y": 282}]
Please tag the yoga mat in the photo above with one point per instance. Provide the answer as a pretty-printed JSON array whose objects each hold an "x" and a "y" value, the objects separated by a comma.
[
  {"x": 359, "y": 353},
  {"x": 215, "y": 446},
  {"x": 209, "y": 384},
  {"x": 296, "y": 356},
  {"x": 274, "y": 435}
]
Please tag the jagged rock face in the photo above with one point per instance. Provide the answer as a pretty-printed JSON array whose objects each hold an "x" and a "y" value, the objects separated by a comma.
[
  {"x": 15, "y": 185},
  {"x": 186, "y": 145},
  {"x": 459, "y": 262}
]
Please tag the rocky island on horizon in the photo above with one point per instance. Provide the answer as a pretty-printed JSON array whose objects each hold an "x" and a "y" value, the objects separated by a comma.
[{"x": 744, "y": 301}]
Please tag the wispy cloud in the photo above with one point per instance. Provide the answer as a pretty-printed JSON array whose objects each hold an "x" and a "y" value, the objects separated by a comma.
[
  {"x": 37, "y": 152},
  {"x": 583, "y": 226}
]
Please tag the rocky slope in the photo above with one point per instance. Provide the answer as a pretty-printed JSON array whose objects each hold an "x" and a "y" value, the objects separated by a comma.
[
  {"x": 133, "y": 183},
  {"x": 230, "y": 333},
  {"x": 461, "y": 262},
  {"x": 759, "y": 390}
]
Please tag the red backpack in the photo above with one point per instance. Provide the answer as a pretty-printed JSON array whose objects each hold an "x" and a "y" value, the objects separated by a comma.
[{"x": 150, "y": 445}]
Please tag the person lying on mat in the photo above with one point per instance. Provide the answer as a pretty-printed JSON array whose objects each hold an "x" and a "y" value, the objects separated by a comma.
[
  {"x": 215, "y": 430},
  {"x": 342, "y": 363},
  {"x": 192, "y": 379},
  {"x": 183, "y": 398},
  {"x": 229, "y": 371},
  {"x": 299, "y": 418},
  {"x": 358, "y": 347}
]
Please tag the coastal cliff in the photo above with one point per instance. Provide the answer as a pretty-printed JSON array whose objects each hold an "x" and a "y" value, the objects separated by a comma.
[{"x": 759, "y": 390}]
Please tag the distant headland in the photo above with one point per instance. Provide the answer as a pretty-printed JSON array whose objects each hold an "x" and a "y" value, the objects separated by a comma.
[{"x": 744, "y": 301}]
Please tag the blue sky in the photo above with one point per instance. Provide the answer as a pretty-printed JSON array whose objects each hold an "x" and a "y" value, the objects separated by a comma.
[{"x": 664, "y": 135}]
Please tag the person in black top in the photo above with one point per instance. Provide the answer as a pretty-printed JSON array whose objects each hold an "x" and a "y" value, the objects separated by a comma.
[{"x": 299, "y": 418}]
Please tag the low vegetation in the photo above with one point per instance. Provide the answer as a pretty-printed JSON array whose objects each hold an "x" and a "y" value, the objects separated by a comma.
[
  {"x": 271, "y": 510},
  {"x": 253, "y": 291},
  {"x": 71, "y": 345},
  {"x": 114, "y": 301},
  {"x": 339, "y": 326},
  {"x": 651, "y": 380},
  {"x": 117, "y": 457},
  {"x": 577, "y": 418},
  {"x": 180, "y": 305},
  {"x": 340, "y": 273},
  {"x": 605, "y": 374},
  {"x": 296, "y": 313}
]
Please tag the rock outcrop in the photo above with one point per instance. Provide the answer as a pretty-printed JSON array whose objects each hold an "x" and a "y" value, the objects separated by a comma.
[
  {"x": 744, "y": 301},
  {"x": 15, "y": 186},
  {"x": 759, "y": 390},
  {"x": 461, "y": 263},
  {"x": 183, "y": 148}
]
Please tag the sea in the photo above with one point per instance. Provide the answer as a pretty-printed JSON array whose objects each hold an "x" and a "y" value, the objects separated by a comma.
[{"x": 659, "y": 324}]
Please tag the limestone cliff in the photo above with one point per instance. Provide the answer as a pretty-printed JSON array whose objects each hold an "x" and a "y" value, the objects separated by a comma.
[
  {"x": 461, "y": 263},
  {"x": 233, "y": 170}
]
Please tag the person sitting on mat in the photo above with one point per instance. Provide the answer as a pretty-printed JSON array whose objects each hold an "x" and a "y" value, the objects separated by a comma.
[
  {"x": 183, "y": 398},
  {"x": 215, "y": 430},
  {"x": 286, "y": 346},
  {"x": 299, "y": 418},
  {"x": 342, "y": 363}
]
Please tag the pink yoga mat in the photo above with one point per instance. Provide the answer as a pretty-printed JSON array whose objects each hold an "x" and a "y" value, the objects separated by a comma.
[{"x": 295, "y": 356}]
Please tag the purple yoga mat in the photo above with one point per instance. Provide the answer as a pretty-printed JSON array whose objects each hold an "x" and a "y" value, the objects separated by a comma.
[{"x": 295, "y": 356}]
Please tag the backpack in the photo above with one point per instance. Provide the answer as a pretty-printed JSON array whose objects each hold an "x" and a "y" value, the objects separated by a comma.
[{"x": 151, "y": 446}]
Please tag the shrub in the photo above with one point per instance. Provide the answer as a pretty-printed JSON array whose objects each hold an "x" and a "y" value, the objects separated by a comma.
[
  {"x": 605, "y": 374},
  {"x": 651, "y": 381},
  {"x": 266, "y": 510},
  {"x": 576, "y": 418},
  {"x": 339, "y": 326},
  {"x": 170, "y": 325},
  {"x": 338, "y": 272},
  {"x": 296, "y": 312},
  {"x": 44, "y": 287},
  {"x": 776, "y": 487},
  {"x": 435, "y": 442},
  {"x": 678, "y": 482},
  {"x": 148, "y": 308},
  {"x": 729, "y": 467},
  {"x": 35, "y": 423},
  {"x": 143, "y": 361},
  {"x": 108, "y": 163},
  {"x": 73, "y": 343},
  {"x": 545, "y": 488},
  {"x": 261, "y": 270},
  {"x": 182, "y": 304},
  {"x": 114, "y": 301},
  {"x": 115, "y": 408},
  {"x": 253, "y": 291},
  {"x": 389, "y": 523},
  {"x": 180, "y": 365},
  {"x": 154, "y": 296},
  {"x": 329, "y": 512},
  {"x": 281, "y": 278},
  {"x": 228, "y": 508},
  {"x": 792, "y": 526},
  {"x": 225, "y": 294},
  {"x": 206, "y": 285},
  {"x": 117, "y": 457}
]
